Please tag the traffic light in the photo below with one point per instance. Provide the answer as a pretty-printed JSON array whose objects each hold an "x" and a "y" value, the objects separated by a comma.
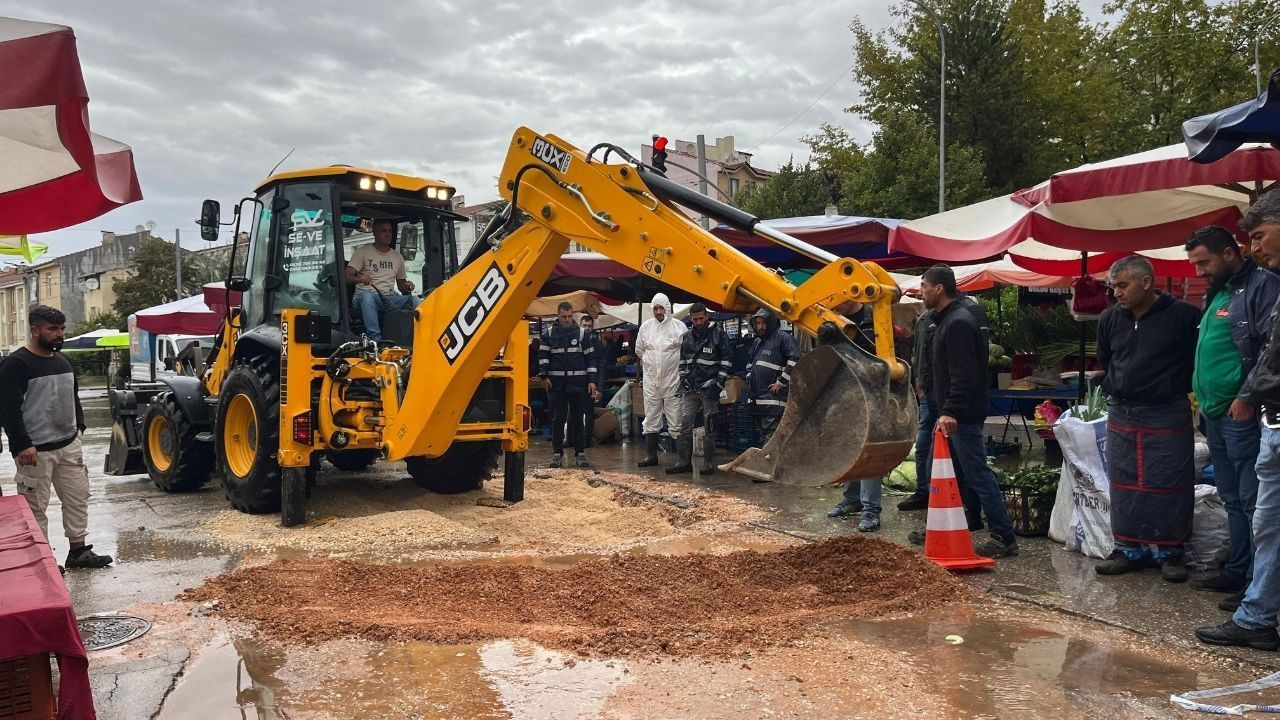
[{"x": 659, "y": 153}]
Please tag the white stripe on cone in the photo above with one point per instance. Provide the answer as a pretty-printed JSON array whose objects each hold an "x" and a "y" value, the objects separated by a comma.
[
  {"x": 946, "y": 519},
  {"x": 943, "y": 468}
]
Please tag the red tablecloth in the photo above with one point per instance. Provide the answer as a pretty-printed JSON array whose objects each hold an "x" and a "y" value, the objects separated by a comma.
[{"x": 35, "y": 608}]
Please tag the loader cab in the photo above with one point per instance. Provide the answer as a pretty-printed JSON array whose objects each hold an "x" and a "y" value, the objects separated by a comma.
[{"x": 303, "y": 227}]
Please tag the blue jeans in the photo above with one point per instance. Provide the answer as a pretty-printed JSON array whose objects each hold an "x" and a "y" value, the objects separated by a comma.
[
  {"x": 1233, "y": 446},
  {"x": 1262, "y": 598},
  {"x": 969, "y": 453},
  {"x": 369, "y": 304},
  {"x": 868, "y": 491},
  {"x": 924, "y": 449}
]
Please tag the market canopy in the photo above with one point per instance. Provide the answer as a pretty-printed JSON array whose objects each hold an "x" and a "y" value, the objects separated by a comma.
[
  {"x": 196, "y": 315},
  {"x": 1146, "y": 203},
  {"x": 635, "y": 313},
  {"x": 101, "y": 339},
  {"x": 984, "y": 276},
  {"x": 1211, "y": 137},
  {"x": 54, "y": 172},
  {"x": 860, "y": 238}
]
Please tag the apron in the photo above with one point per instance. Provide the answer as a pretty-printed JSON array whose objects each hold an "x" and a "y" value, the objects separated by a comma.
[{"x": 1151, "y": 468}]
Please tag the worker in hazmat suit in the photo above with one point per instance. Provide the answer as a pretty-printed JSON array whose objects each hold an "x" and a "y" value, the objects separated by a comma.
[{"x": 658, "y": 348}]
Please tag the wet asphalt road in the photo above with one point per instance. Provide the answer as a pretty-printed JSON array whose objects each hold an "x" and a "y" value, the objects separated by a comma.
[{"x": 158, "y": 554}]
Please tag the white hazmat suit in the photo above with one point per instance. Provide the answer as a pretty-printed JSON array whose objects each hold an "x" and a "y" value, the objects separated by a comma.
[{"x": 658, "y": 347}]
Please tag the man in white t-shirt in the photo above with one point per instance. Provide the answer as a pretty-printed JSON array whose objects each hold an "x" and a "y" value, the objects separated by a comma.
[{"x": 376, "y": 270}]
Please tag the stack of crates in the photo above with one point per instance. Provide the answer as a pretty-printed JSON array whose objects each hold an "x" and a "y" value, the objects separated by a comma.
[{"x": 737, "y": 430}]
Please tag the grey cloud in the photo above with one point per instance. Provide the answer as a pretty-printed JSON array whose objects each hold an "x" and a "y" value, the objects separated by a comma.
[{"x": 211, "y": 95}]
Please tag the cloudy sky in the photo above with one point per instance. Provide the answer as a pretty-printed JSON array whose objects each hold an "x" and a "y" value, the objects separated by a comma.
[{"x": 211, "y": 95}]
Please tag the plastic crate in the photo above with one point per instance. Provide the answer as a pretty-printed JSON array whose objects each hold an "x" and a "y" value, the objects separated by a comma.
[
  {"x": 26, "y": 689},
  {"x": 1029, "y": 511}
]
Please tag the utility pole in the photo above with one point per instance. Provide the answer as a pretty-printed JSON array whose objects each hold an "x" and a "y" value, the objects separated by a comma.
[
  {"x": 942, "y": 105},
  {"x": 702, "y": 175},
  {"x": 177, "y": 251}
]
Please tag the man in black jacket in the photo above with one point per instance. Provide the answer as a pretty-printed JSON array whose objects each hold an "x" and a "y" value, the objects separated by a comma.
[
  {"x": 566, "y": 358},
  {"x": 956, "y": 390},
  {"x": 1233, "y": 330},
  {"x": 1254, "y": 623},
  {"x": 705, "y": 360},
  {"x": 922, "y": 346},
  {"x": 1147, "y": 345},
  {"x": 773, "y": 355}
]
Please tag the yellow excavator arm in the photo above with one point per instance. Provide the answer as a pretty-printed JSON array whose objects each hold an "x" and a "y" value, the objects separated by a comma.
[{"x": 850, "y": 415}]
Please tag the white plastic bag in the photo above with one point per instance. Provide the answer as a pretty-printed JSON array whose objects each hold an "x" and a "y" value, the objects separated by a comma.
[
  {"x": 1084, "y": 467},
  {"x": 1063, "y": 506},
  {"x": 620, "y": 406},
  {"x": 1210, "y": 540}
]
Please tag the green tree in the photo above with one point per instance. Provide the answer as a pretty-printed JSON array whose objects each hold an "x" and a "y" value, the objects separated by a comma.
[
  {"x": 154, "y": 279},
  {"x": 899, "y": 176},
  {"x": 1175, "y": 59},
  {"x": 793, "y": 192},
  {"x": 989, "y": 102},
  {"x": 99, "y": 319}
]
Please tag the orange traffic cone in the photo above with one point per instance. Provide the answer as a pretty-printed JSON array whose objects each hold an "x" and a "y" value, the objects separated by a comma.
[{"x": 946, "y": 536}]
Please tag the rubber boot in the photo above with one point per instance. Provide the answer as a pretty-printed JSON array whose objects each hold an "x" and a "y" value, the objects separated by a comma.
[
  {"x": 708, "y": 452},
  {"x": 650, "y": 451},
  {"x": 684, "y": 455}
]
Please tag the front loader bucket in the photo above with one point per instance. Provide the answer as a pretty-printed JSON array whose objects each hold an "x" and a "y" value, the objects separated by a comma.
[
  {"x": 844, "y": 420},
  {"x": 122, "y": 457}
]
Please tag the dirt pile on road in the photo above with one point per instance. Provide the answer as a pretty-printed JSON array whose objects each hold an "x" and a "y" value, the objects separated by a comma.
[
  {"x": 708, "y": 605},
  {"x": 563, "y": 511}
]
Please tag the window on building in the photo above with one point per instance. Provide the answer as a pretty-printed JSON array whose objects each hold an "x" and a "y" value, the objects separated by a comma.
[
  {"x": 48, "y": 285},
  {"x": 733, "y": 186}
]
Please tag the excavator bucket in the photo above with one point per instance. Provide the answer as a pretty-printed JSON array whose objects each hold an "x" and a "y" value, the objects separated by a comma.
[{"x": 844, "y": 420}]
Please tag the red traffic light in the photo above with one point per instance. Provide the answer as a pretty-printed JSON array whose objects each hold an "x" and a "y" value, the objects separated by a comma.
[{"x": 659, "y": 143}]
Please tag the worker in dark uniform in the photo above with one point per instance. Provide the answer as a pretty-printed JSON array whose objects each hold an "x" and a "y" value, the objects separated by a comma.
[
  {"x": 705, "y": 359},
  {"x": 566, "y": 359},
  {"x": 773, "y": 355}
]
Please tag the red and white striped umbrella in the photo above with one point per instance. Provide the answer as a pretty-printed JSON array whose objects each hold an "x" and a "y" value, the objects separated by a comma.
[
  {"x": 1148, "y": 203},
  {"x": 54, "y": 172}
]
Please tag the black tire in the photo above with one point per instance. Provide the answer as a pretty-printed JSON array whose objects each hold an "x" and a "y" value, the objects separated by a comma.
[
  {"x": 462, "y": 468},
  {"x": 248, "y": 465},
  {"x": 351, "y": 460},
  {"x": 176, "y": 461}
]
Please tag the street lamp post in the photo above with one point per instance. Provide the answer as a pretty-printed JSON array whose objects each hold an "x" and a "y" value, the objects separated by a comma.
[{"x": 942, "y": 105}]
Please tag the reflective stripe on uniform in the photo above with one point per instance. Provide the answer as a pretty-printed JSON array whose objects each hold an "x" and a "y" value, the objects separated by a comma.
[
  {"x": 771, "y": 401},
  {"x": 769, "y": 365}
]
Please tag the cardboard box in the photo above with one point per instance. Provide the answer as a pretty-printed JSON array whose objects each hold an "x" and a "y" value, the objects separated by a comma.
[
  {"x": 1003, "y": 380},
  {"x": 734, "y": 390}
]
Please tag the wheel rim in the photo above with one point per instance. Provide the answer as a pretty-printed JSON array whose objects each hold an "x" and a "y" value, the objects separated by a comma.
[
  {"x": 160, "y": 443},
  {"x": 240, "y": 435}
]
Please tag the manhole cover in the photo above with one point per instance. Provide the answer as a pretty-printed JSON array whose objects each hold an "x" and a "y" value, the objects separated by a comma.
[{"x": 100, "y": 632}]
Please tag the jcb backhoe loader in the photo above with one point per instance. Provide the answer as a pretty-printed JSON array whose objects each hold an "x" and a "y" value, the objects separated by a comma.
[{"x": 292, "y": 378}]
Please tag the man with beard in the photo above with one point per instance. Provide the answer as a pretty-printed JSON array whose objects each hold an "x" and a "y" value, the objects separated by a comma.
[
  {"x": 40, "y": 409},
  {"x": 1147, "y": 345},
  {"x": 705, "y": 361},
  {"x": 1233, "y": 331},
  {"x": 956, "y": 390},
  {"x": 1254, "y": 622},
  {"x": 773, "y": 355}
]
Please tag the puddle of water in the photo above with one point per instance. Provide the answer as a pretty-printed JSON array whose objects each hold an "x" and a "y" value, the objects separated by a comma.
[
  {"x": 1012, "y": 669},
  {"x": 497, "y": 680},
  {"x": 227, "y": 680},
  {"x": 144, "y": 545}
]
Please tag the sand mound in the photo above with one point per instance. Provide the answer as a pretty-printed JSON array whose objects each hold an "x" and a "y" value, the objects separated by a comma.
[{"x": 617, "y": 606}]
